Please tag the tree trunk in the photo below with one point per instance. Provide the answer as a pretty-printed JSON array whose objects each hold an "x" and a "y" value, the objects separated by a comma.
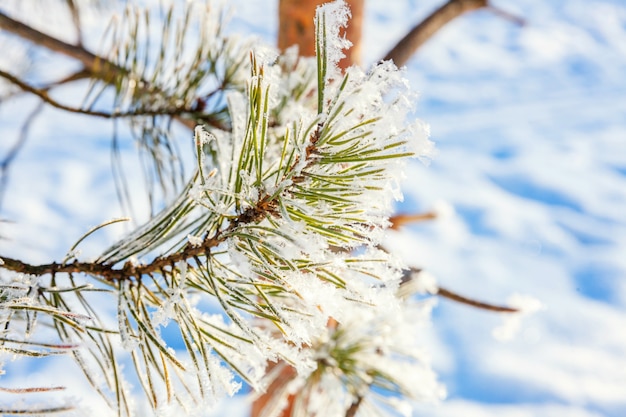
[{"x": 296, "y": 27}]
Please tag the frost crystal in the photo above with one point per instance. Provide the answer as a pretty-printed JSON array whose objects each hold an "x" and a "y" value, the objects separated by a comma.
[
  {"x": 194, "y": 240},
  {"x": 202, "y": 137},
  {"x": 527, "y": 306},
  {"x": 335, "y": 16}
]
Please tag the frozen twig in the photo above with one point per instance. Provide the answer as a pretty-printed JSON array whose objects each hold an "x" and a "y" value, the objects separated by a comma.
[{"x": 109, "y": 272}]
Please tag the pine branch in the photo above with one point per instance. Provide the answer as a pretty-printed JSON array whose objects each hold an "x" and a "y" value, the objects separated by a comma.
[
  {"x": 98, "y": 67},
  {"x": 261, "y": 217},
  {"x": 265, "y": 206}
]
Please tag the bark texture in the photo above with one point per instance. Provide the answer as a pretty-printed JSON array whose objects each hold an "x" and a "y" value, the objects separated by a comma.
[{"x": 296, "y": 27}]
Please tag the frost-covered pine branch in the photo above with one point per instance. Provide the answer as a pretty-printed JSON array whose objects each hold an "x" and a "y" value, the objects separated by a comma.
[{"x": 269, "y": 253}]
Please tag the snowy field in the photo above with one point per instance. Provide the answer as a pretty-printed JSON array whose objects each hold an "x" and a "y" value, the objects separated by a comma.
[{"x": 530, "y": 179}]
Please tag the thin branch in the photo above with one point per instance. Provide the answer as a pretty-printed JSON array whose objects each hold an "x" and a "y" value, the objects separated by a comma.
[
  {"x": 106, "y": 271},
  {"x": 474, "y": 303},
  {"x": 407, "y": 46},
  {"x": 410, "y": 275},
  {"x": 399, "y": 220},
  {"x": 78, "y": 75},
  {"x": 506, "y": 15},
  {"x": 43, "y": 95}
]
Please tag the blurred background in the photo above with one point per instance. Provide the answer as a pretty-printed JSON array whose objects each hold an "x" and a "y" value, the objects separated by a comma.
[{"x": 529, "y": 181}]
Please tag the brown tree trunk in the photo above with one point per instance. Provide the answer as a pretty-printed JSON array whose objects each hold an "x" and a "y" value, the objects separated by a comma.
[{"x": 296, "y": 27}]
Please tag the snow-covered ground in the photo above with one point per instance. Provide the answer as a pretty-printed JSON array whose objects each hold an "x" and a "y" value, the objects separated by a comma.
[{"x": 530, "y": 126}]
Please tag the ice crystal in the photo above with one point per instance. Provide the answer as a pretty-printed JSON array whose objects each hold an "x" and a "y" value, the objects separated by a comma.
[
  {"x": 334, "y": 16},
  {"x": 175, "y": 297}
]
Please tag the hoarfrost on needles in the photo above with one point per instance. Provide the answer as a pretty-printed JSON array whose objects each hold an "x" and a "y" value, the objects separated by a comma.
[{"x": 335, "y": 17}]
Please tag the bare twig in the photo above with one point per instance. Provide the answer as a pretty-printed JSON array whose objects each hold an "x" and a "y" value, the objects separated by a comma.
[
  {"x": 78, "y": 75},
  {"x": 471, "y": 302},
  {"x": 414, "y": 274},
  {"x": 452, "y": 9},
  {"x": 399, "y": 220},
  {"x": 407, "y": 46},
  {"x": 506, "y": 15}
]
